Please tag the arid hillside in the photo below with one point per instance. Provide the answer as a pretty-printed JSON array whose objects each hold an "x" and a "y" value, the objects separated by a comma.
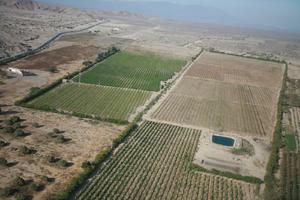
[{"x": 25, "y": 24}]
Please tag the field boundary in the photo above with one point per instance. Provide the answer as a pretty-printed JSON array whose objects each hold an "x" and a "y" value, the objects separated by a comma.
[
  {"x": 248, "y": 179},
  {"x": 273, "y": 163},
  {"x": 246, "y": 56}
]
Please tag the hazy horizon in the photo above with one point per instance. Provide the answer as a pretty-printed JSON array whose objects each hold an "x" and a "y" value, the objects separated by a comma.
[{"x": 262, "y": 14}]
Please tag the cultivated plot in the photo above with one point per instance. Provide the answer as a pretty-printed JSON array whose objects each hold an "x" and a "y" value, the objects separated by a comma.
[
  {"x": 243, "y": 103},
  {"x": 290, "y": 176},
  {"x": 132, "y": 70},
  {"x": 156, "y": 164},
  {"x": 101, "y": 101},
  {"x": 245, "y": 71}
]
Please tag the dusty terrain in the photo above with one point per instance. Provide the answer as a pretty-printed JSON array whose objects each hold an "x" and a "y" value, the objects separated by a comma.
[
  {"x": 53, "y": 58},
  {"x": 211, "y": 156},
  {"x": 87, "y": 138}
]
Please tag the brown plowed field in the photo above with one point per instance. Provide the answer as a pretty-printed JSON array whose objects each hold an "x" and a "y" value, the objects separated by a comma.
[
  {"x": 215, "y": 90},
  {"x": 225, "y": 93},
  {"x": 237, "y": 70},
  {"x": 56, "y": 57}
]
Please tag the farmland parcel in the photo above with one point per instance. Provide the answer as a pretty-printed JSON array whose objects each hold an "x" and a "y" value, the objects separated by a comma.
[
  {"x": 225, "y": 93},
  {"x": 132, "y": 70},
  {"x": 100, "y": 101},
  {"x": 156, "y": 164}
]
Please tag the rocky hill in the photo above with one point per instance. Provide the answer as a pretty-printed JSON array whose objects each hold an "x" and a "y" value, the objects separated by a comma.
[{"x": 25, "y": 24}]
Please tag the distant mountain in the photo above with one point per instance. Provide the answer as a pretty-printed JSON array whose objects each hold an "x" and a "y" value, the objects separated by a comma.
[
  {"x": 167, "y": 10},
  {"x": 20, "y": 4}
]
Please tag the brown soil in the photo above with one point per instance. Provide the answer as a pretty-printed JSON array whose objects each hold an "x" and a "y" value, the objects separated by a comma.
[{"x": 54, "y": 58}]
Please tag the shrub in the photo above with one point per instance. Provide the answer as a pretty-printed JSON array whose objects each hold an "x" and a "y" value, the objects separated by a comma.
[
  {"x": 19, "y": 133},
  {"x": 21, "y": 196},
  {"x": 56, "y": 130},
  {"x": 3, "y": 143},
  {"x": 34, "y": 90},
  {"x": 25, "y": 150},
  {"x": 8, "y": 191},
  {"x": 8, "y": 129},
  {"x": 47, "y": 179},
  {"x": 51, "y": 159},
  {"x": 19, "y": 181},
  {"x": 3, "y": 161},
  {"x": 8, "y": 122},
  {"x": 53, "y": 69},
  {"x": 37, "y": 187},
  {"x": 16, "y": 125},
  {"x": 15, "y": 119},
  {"x": 63, "y": 163},
  {"x": 86, "y": 165},
  {"x": 36, "y": 125},
  {"x": 61, "y": 139}
]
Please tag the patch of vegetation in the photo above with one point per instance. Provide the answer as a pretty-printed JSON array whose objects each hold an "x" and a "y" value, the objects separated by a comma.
[
  {"x": 3, "y": 161},
  {"x": 249, "y": 179},
  {"x": 133, "y": 70},
  {"x": 20, "y": 133},
  {"x": 47, "y": 179},
  {"x": 53, "y": 69},
  {"x": 26, "y": 151},
  {"x": 57, "y": 131},
  {"x": 61, "y": 139},
  {"x": 87, "y": 165},
  {"x": 19, "y": 181},
  {"x": 52, "y": 159},
  {"x": 76, "y": 99},
  {"x": 21, "y": 196},
  {"x": 290, "y": 142},
  {"x": 241, "y": 151},
  {"x": 245, "y": 149},
  {"x": 3, "y": 143},
  {"x": 271, "y": 190},
  {"x": 34, "y": 90},
  {"x": 36, "y": 125},
  {"x": 8, "y": 191},
  {"x": 64, "y": 163},
  {"x": 37, "y": 187}
]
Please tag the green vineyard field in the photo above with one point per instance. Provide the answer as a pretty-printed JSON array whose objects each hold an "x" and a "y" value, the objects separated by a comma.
[
  {"x": 290, "y": 175},
  {"x": 129, "y": 70},
  {"x": 155, "y": 163},
  {"x": 101, "y": 101}
]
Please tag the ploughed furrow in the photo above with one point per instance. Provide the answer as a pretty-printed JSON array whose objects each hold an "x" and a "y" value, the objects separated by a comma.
[{"x": 155, "y": 164}]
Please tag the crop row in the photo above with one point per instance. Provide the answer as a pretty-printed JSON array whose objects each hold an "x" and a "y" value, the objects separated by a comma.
[
  {"x": 155, "y": 164},
  {"x": 100, "y": 101},
  {"x": 132, "y": 70},
  {"x": 234, "y": 93},
  {"x": 215, "y": 114},
  {"x": 290, "y": 176}
]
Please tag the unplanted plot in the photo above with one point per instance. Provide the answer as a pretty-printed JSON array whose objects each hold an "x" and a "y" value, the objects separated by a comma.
[
  {"x": 132, "y": 70},
  {"x": 237, "y": 70},
  {"x": 100, "y": 101}
]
